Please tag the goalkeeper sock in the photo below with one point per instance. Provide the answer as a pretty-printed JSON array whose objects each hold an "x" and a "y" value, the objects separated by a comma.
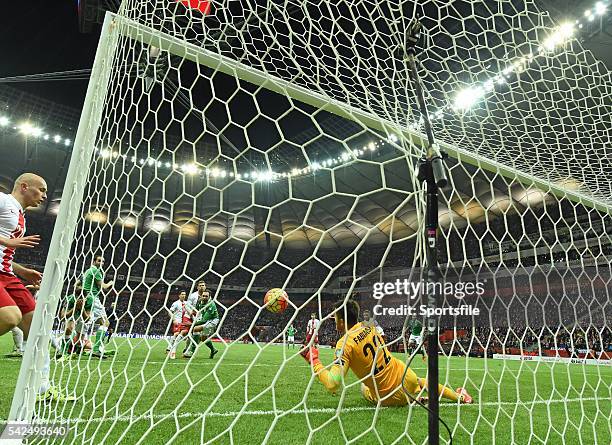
[
  {"x": 445, "y": 392},
  {"x": 99, "y": 336},
  {"x": 448, "y": 393}
]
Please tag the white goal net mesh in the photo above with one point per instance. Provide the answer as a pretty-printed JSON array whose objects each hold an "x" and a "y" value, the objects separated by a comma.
[{"x": 267, "y": 145}]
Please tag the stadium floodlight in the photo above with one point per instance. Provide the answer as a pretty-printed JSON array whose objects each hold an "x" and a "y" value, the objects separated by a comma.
[
  {"x": 559, "y": 37},
  {"x": 190, "y": 169},
  {"x": 27, "y": 129},
  {"x": 467, "y": 98},
  {"x": 128, "y": 221},
  {"x": 600, "y": 8},
  {"x": 4, "y": 121},
  {"x": 67, "y": 142},
  {"x": 158, "y": 225},
  {"x": 566, "y": 31},
  {"x": 267, "y": 175}
]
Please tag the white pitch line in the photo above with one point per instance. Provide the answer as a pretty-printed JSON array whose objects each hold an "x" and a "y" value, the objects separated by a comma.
[
  {"x": 184, "y": 362},
  {"x": 171, "y": 416}
]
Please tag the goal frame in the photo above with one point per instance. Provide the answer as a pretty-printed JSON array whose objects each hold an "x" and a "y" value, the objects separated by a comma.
[{"x": 24, "y": 399}]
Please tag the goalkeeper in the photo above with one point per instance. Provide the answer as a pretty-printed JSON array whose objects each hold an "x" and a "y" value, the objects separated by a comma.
[{"x": 362, "y": 349}]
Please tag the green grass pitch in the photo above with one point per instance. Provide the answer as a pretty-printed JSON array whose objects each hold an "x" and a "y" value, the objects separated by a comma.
[{"x": 249, "y": 395}]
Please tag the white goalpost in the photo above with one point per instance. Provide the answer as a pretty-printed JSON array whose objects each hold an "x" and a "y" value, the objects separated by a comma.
[
  {"x": 276, "y": 146},
  {"x": 55, "y": 268}
]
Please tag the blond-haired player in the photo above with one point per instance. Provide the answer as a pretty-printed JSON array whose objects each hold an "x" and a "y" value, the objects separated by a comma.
[{"x": 362, "y": 350}]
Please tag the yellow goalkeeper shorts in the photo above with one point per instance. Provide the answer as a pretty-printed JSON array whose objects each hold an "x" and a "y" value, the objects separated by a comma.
[{"x": 396, "y": 397}]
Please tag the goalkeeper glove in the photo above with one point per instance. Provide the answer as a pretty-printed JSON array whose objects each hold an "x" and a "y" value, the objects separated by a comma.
[{"x": 310, "y": 354}]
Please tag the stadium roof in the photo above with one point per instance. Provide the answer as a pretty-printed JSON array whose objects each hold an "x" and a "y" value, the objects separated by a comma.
[{"x": 546, "y": 117}]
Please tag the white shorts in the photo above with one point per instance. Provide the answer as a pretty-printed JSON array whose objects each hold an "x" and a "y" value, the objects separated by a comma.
[
  {"x": 98, "y": 310},
  {"x": 417, "y": 339},
  {"x": 291, "y": 338},
  {"x": 210, "y": 327}
]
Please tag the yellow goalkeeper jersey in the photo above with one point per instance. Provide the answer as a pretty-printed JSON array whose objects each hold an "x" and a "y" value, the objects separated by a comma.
[{"x": 363, "y": 351}]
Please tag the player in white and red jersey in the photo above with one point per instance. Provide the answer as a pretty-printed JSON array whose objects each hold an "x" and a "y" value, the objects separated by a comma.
[
  {"x": 16, "y": 302},
  {"x": 182, "y": 313},
  {"x": 312, "y": 329}
]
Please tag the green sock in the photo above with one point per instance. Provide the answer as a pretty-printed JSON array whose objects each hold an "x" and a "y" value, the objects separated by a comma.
[
  {"x": 66, "y": 344},
  {"x": 210, "y": 345},
  {"x": 99, "y": 336},
  {"x": 196, "y": 340}
]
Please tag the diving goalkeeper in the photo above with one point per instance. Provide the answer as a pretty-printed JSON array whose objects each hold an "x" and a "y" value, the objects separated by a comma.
[{"x": 363, "y": 350}]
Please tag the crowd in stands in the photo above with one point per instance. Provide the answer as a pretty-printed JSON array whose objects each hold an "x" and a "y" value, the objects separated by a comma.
[{"x": 523, "y": 309}]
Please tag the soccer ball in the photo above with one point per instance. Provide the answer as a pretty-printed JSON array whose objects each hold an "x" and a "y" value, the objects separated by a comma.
[{"x": 276, "y": 300}]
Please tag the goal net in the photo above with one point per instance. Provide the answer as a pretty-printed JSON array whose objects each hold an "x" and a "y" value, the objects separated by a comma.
[{"x": 257, "y": 145}]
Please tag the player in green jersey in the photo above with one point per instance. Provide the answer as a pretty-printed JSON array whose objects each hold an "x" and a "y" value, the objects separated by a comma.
[
  {"x": 291, "y": 336},
  {"x": 416, "y": 337},
  {"x": 76, "y": 314},
  {"x": 93, "y": 285},
  {"x": 205, "y": 324}
]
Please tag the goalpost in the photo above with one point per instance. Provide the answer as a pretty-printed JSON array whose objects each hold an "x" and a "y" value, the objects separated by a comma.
[{"x": 277, "y": 147}]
